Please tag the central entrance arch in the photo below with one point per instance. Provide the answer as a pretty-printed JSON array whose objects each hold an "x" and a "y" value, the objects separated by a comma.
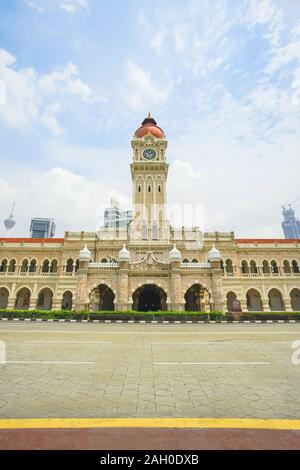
[{"x": 149, "y": 298}]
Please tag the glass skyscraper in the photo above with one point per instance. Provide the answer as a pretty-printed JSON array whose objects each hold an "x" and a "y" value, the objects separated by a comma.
[{"x": 290, "y": 225}]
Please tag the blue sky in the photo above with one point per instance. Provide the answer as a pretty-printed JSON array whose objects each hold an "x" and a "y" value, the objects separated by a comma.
[{"x": 221, "y": 78}]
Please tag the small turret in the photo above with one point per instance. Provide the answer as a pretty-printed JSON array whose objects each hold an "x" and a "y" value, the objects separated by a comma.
[
  {"x": 85, "y": 254},
  {"x": 124, "y": 254},
  {"x": 175, "y": 254},
  {"x": 214, "y": 254}
]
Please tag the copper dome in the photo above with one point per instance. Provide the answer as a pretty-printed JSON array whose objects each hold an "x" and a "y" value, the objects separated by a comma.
[{"x": 149, "y": 125}]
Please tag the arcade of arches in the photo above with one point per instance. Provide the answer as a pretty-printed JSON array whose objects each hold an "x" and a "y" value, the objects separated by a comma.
[
  {"x": 275, "y": 300},
  {"x": 151, "y": 297}
]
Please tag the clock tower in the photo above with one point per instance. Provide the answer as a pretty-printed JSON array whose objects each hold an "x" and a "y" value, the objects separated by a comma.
[{"x": 149, "y": 172}]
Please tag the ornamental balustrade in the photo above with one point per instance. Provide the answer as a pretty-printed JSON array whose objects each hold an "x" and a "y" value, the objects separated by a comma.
[
  {"x": 195, "y": 265},
  {"x": 108, "y": 264}
]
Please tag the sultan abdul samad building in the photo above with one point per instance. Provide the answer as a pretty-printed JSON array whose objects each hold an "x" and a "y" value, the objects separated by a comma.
[{"x": 150, "y": 265}]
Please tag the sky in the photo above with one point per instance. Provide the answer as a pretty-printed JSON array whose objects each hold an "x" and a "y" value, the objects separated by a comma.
[{"x": 221, "y": 78}]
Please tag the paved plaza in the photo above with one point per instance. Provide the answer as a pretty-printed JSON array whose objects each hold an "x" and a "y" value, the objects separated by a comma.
[{"x": 141, "y": 370}]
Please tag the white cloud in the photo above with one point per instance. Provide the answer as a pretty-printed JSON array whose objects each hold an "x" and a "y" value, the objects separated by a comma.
[
  {"x": 49, "y": 119},
  {"x": 68, "y": 6},
  {"x": 21, "y": 100},
  {"x": 29, "y": 96},
  {"x": 265, "y": 12},
  {"x": 36, "y": 5},
  {"x": 67, "y": 81},
  {"x": 157, "y": 42},
  {"x": 74, "y": 201},
  {"x": 141, "y": 91}
]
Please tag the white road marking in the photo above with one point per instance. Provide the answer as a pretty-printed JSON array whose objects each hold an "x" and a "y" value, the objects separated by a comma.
[
  {"x": 280, "y": 342},
  {"x": 66, "y": 342},
  {"x": 47, "y": 362},
  {"x": 211, "y": 363},
  {"x": 192, "y": 342}
]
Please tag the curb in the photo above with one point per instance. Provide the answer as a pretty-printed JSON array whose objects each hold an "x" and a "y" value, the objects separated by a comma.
[{"x": 174, "y": 322}]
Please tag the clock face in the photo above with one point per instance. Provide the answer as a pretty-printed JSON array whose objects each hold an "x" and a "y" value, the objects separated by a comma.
[{"x": 149, "y": 154}]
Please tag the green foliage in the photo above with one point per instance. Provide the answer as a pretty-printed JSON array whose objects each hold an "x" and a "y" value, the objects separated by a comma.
[{"x": 147, "y": 316}]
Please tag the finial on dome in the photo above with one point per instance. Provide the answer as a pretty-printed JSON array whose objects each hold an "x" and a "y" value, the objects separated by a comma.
[
  {"x": 85, "y": 254},
  {"x": 124, "y": 254},
  {"x": 149, "y": 125},
  {"x": 175, "y": 254},
  {"x": 214, "y": 254}
]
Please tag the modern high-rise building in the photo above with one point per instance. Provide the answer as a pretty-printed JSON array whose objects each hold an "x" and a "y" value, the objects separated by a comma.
[
  {"x": 290, "y": 224},
  {"x": 42, "y": 228},
  {"x": 114, "y": 217}
]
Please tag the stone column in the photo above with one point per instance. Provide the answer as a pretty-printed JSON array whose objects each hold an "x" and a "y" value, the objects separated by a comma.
[
  {"x": 12, "y": 298},
  {"x": 287, "y": 304},
  {"x": 243, "y": 303},
  {"x": 56, "y": 304},
  {"x": 176, "y": 303},
  {"x": 81, "y": 291},
  {"x": 265, "y": 305},
  {"x": 123, "y": 287},
  {"x": 82, "y": 302},
  {"x": 217, "y": 286},
  {"x": 33, "y": 298}
]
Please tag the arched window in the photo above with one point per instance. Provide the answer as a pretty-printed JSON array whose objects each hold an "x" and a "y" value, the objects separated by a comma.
[
  {"x": 3, "y": 266},
  {"x": 32, "y": 266},
  {"x": 69, "y": 265},
  {"x": 229, "y": 266},
  {"x": 194, "y": 260},
  {"x": 53, "y": 267},
  {"x": 245, "y": 268},
  {"x": 12, "y": 266},
  {"x": 159, "y": 188},
  {"x": 253, "y": 267},
  {"x": 154, "y": 232},
  {"x": 77, "y": 265},
  {"x": 144, "y": 232},
  {"x": 24, "y": 266},
  {"x": 104, "y": 260},
  {"x": 45, "y": 266},
  {"x": 274, "y": 267},
  {"x": 139, "y": 188},
  {"x": 149, "y": 189},
  {"x": 295, "y": 267},
  {"x": 286, "y": 267},
  {"x": 266, "y": 267},
  {"x": 185, "y": 261}
]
